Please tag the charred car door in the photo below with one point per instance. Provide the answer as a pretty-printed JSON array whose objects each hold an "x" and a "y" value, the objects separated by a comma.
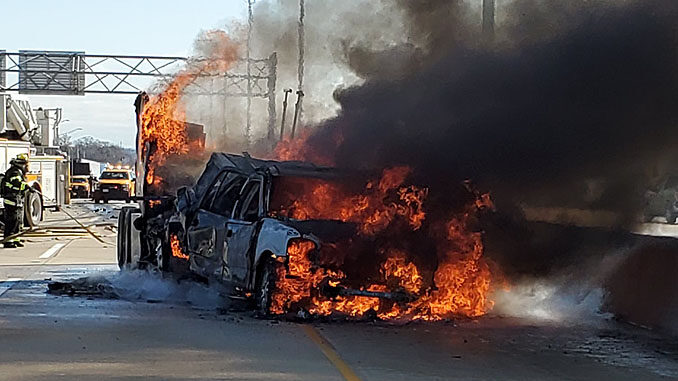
[
  {"x": 206, "y": 231},
  {"x": 241, "y": 230}
]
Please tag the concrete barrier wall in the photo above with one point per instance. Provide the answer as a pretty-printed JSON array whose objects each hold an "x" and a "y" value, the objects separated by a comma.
[
  {"x": 638, "y": 273},
  {"x": 644, "y": 287}
]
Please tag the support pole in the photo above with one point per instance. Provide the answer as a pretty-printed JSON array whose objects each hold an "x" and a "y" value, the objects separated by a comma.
[
  {"x": 297, "y": 108},
  {"x": 250, "y": 20},
  {"x": 300, "y": 68},
  {"x": 272, "y": 74},
  {"x": 284, "y": 114},
  {"x": 488, "y": 19}
]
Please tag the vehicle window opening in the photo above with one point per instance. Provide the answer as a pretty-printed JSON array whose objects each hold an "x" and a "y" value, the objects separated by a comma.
[
  {"x": 227, "y": 195},
  {"x": 214, "y": 188},
  {"x": 249, "y": 205}
]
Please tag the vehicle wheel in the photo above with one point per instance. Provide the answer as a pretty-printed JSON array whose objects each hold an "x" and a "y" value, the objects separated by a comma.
[
  {"x": 133, "y": 260},
  {"x": 121, "y": 249},
  {"x": 105, "y": 201},
  {"x": 671, "y": 217},
  {"x": 127, "y": 200},
  {"x": 33, "y": 209},
  {"x": 96, "y": 200},
  {"x": 265, "y": 288},
  {"x": 163, "y": 254}
]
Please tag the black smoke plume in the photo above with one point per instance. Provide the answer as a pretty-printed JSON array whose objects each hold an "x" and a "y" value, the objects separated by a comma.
[{"x": 565, "y": 94}]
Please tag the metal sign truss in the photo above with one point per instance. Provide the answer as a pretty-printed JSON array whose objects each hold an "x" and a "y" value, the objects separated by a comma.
[{"x": 77, "y": 73}]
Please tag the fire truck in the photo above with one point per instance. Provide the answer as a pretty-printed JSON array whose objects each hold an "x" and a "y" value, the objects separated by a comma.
[{"x": 32, "y": 132}]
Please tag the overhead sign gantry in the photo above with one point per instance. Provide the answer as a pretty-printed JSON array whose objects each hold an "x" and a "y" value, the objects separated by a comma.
[{"x": 78, "y": 73}]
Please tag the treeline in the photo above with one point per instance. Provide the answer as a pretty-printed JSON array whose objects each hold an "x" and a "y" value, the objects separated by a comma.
[{"x": 98, "y": 150}]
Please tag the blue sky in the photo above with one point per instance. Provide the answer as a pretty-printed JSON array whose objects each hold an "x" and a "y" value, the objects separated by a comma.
[{"x": 124, "y": 27}]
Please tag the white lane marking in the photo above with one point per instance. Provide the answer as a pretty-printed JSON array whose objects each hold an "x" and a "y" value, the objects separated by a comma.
[
  {"x": 7, "y": 284},
  {"x": 52, "y": 250}
]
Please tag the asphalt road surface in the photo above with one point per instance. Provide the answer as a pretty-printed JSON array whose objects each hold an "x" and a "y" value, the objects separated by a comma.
[{"x": 167, "y": 331}]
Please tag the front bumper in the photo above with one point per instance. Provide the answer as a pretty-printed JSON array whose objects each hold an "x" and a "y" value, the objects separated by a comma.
[
  {"x": 79, "y": 192},
  {"x": 111, "y": 194}
]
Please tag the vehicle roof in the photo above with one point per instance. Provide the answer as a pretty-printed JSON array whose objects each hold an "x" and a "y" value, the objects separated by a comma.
[{"x": 247, "y": 165}]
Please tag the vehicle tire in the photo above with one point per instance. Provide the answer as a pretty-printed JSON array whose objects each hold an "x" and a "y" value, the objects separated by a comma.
[
  {"x": 265, "y": 288},
  {"x": 96, "y": 200},
  {"x": 127, "y": 200},
  {"x": 33, "y": 209},
  {"x": 133, "y": 262},
  {"x": 121, "y": 248},
  {"x": 671, "y": 217},
  {"x": 105, "y": 201},
  {"x": 163, "y": 255}
]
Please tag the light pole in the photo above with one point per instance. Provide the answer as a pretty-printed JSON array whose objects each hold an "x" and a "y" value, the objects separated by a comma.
[
  {"x": 65, "y": 135},
  {"x": 56, "y": 129},
  {"x": 488, "y": 19},
  {"x": 73, "y": 130}
]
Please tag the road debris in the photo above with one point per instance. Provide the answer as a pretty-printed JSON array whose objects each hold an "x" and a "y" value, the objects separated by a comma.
[{"x": 87, "y": 286}]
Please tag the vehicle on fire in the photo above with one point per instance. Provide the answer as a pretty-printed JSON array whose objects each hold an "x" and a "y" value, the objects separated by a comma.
[
  {"x": 663, "y": 201},
  {"x": 229, "y": 228}
]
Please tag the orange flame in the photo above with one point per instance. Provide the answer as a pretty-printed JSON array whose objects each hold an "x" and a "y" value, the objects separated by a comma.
[
  {"x": 374, "y": 210},
  {"x": 163, "y": 118},
  {"x": 176, "y": 248},
  {"x": 302, "y": 279},
  {"x": 405, "y": 273},
  {"x": 299, "y": 149},
  {"x": 461, "y": 282}
]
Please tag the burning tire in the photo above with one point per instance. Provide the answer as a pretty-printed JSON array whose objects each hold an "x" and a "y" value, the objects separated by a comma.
[{"x": 265, "y": 288}]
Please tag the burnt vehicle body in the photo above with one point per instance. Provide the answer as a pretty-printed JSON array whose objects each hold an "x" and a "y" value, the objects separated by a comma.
[{"x": 224, "y": 226}]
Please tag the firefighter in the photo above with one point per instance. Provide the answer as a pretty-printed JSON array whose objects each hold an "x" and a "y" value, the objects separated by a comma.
[{"x": 14, "y": 188}]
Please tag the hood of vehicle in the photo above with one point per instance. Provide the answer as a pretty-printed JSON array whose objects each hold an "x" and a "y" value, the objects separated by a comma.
[
  {"x": 326, "y": 230},
  {"x": 114, "y": 181}
]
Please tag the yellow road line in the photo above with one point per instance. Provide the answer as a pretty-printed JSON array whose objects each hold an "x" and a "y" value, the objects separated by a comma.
[{"x": 332, "y": 355}]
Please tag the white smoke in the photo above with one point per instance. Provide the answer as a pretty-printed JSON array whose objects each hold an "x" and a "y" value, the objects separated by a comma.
[
  {"x": 550, "y": 301},
  {"x": 573, "y": 297},
  {"x": 148, "y": 286}
]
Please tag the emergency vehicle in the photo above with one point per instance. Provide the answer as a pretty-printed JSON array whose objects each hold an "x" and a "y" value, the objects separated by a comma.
[
  {"x": 79, "y": 186},
  {"x": 115, "y": 183},
  {"x": 24, "y": 130}
]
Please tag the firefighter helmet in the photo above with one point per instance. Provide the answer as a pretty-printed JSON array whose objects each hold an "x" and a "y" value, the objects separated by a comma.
[{"x": 20, "y": 160}]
